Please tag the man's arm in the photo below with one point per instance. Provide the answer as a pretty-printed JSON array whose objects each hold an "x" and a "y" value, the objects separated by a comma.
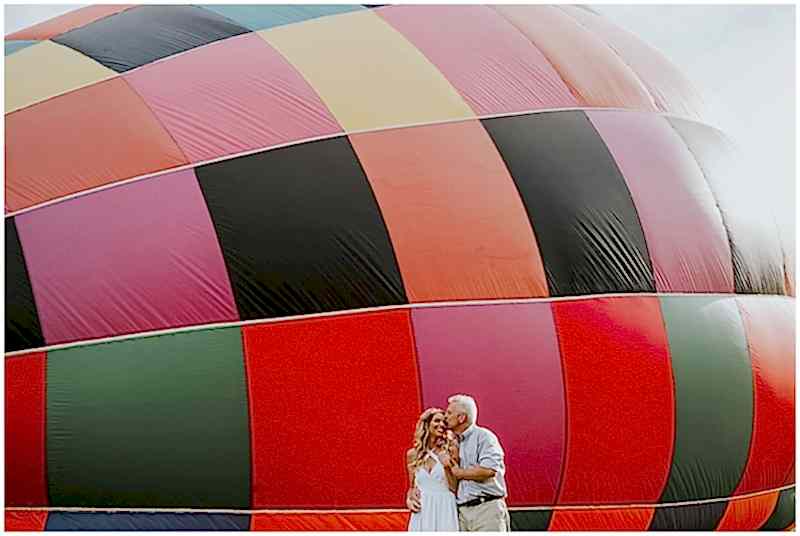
[
  {"x": 490, "y": 460},
  {"x": 474, "y": 472}
]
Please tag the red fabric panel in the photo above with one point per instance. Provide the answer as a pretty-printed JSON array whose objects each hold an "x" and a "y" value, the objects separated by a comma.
[
  {"x": 80, "y": 140},
  {"x": 333, "y": 404},
  {"x": 26, "y": 483},
  {"x": 748, "y": 514},
  {"x": 394, "y": 521},
  {"x": 472, "y": 241},
  {"x": 68, "y": 21},
  {"x": 27, "y": 521},
  {"x": 505, "y": 356},
  {"x": 620, "y": 403},
  {"x": 621, "y": 519},
  {"x": 769, "y": 327}
]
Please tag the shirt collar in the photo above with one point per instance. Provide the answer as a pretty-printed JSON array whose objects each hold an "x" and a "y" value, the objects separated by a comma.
[{"x": 468, "y": 431}]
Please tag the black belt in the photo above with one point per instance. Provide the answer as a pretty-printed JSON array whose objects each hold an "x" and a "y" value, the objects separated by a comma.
[{"x": 480, "y": 500}]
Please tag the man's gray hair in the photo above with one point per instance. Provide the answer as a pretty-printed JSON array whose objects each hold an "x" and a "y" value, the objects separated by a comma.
[{"x": 469, "y": 405}]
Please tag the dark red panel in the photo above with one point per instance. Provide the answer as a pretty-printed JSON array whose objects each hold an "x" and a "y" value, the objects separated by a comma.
[
  {"x": 769, "y": 327},
  {"x": 26, "y": 483},
  {"x": 25, "y": 521},
  {"x": 382, "y": 521},
  {"x": 748, "y": 514},
  {"x": 506, "y": 356},
  {"x": 618, "y": 381},
  {"x": 333, "y": 403},
  {"x": 617, "y": 519}
]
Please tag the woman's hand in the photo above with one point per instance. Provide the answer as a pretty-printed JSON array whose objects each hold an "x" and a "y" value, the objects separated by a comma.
[{"x": 414, "y": 500}]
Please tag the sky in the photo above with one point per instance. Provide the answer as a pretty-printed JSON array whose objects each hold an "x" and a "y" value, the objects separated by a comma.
[{"x": 740, "y": 57}]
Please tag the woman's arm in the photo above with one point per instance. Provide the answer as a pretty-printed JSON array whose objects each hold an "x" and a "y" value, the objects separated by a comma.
[
  {"x": 413, "y": 498},
  {"x": 409, "y": 459}
]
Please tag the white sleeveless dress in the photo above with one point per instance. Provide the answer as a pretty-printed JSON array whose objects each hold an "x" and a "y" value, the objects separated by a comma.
[{"x": 439, "y": 511}]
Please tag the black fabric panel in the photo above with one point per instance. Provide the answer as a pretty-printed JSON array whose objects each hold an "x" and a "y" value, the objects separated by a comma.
[
  {"x": 582, "y": 213},
  {"x": 694, "y": 517},
  {"x": 145, "y": 521},
  {"x": 528, "y": 520},
  {"x": 783, "y": 515},
  {"x": 144, "y": 34},
  {"x": 22, "y": 321},
  {"x": 301, "y": 231}
]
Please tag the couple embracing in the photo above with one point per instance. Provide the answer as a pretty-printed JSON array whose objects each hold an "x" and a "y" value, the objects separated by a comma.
[{"x": 456, "y": 471}]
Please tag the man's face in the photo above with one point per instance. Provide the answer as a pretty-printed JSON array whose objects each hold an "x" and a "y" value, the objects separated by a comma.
[{"x": 454, "y": 416}]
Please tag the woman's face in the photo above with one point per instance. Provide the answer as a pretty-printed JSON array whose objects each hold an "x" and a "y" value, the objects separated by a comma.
[{"x": 437, "y": 427}]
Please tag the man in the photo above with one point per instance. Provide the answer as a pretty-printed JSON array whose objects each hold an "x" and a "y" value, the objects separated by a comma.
[{"x": 480, "y": 471}]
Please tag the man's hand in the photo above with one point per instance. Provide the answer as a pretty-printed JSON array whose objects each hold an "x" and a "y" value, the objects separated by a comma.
[
  {"x": 457, "y": 471},
  {"x": 414, "y": 500}
]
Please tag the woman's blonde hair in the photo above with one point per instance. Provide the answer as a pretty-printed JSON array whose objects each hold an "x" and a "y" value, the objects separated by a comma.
[{"x": 421, "y": 435}]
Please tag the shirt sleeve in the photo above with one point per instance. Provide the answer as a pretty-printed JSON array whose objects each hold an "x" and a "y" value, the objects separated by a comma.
[{"x": 490, "y": 453}]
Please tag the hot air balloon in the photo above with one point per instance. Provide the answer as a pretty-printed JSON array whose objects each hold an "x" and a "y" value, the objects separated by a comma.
[{"x": 247, "y": 245}]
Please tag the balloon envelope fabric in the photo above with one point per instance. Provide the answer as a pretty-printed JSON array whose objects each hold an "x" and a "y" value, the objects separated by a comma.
[{"x": 247, "y": 245}]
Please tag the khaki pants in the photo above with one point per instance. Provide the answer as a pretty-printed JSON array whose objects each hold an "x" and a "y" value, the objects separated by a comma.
[{"x": 489, "y": 516}]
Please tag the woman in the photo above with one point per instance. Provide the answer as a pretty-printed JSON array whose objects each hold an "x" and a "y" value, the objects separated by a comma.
[{"x": 429, "y": 462}]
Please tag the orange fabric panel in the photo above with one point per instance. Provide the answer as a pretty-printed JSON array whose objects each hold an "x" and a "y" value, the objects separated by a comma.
[
  {"x": 394, "y": 521},
  {"x": 97, "y": 135},
  {"x": 602, "y": 519},
  {"x": 457, "y": 222},
  {"x": 593, "y": 71},
  {"x": 25, "y": 520},
  {"x": 749, "y": 513},
  {"x": 68, "y": 21}
]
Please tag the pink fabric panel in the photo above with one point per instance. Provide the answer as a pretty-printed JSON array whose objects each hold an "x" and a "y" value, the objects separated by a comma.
[
  {"x": 137, "y": 257},
  {"x": 235, "y": 95},
  {"x": 683, "y": 227},
  {"x": 592, "y": 71},
  {"x": 671, "y": 90},
  {"x": 505, "y": 356},
  {"x": 494, "y": 67}
]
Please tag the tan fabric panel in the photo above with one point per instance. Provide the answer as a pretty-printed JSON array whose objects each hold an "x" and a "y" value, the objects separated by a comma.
[
  {"x": 48, "y": 69},
  {"x": 366, "y": 72},
  {"x": 592, "y": 70}
]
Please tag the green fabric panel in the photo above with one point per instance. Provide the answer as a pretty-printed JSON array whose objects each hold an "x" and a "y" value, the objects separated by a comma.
[
  {"x": 783, "y": 515},
  {"x": 262, "y": 17},
  {"x": 13, "y": 46},
  {"x": 530, "y": 520},
  {"x": 159, "y": 421},
  {"x": 693, "y": 517},
  {"x": 713, "y": 396}
]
